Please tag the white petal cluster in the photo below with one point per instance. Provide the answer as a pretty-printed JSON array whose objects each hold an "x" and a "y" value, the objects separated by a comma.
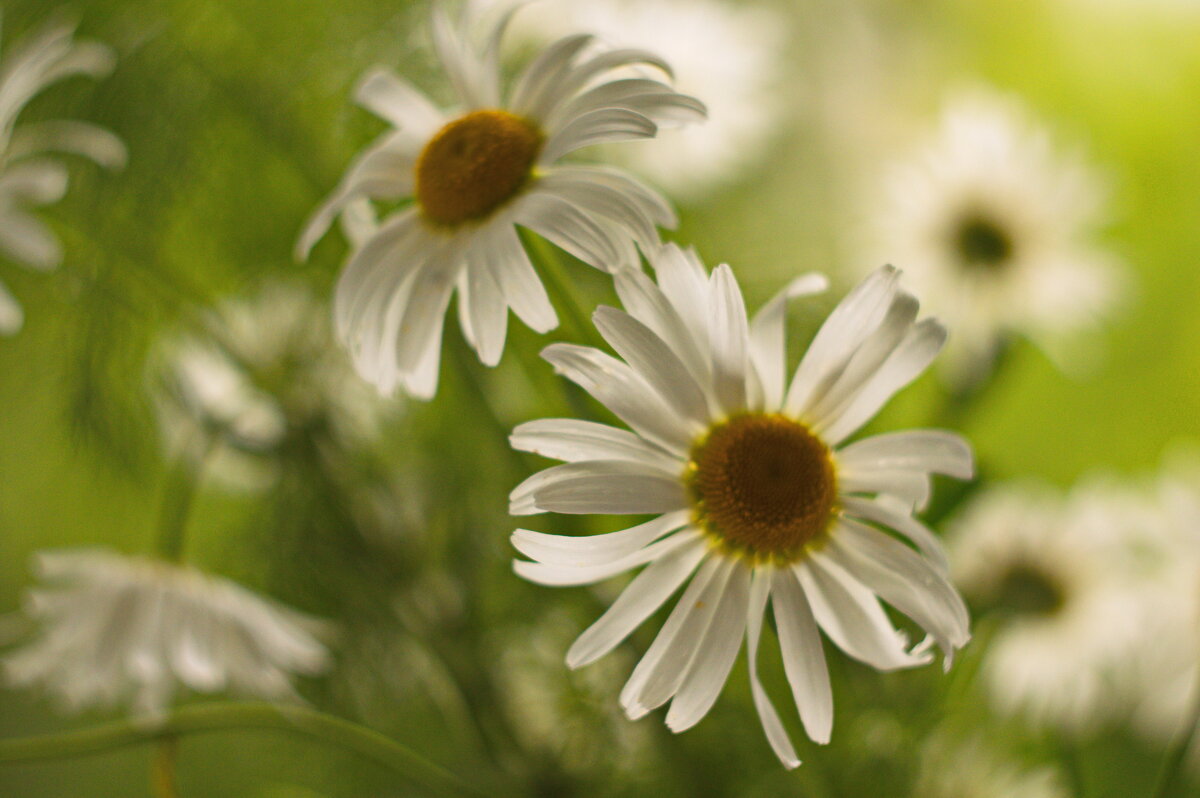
[
  {"x": 394, "y": 290},
  {"x": 28, "y": 178},
  {"x": 731, "y": 56},
  {"x": 118, "y": 630},
  {"x": 691, "y": 358},
  {"x": 989, "y": 164},
  {"x": 265, "y": 364}
]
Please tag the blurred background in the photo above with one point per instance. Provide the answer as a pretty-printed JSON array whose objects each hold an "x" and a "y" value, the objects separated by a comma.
[{"x": 388, "y": 516}]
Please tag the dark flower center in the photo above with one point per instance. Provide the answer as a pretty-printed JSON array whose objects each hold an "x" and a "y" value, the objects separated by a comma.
[
  {"x": 982, "y": 243},
  {"x": 475, "y": 164},
  {"x": 763, "y": 485}
]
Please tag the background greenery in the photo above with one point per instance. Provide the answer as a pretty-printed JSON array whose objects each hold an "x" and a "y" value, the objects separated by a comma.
[{"x": 238, "y": 120}]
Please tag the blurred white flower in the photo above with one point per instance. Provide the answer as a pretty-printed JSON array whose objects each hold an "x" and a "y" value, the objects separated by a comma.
[
  {"x": 474, "y": 174},
  {"x": 116, "y": 630},
  {"x": 1067, "y": 595},
  {"x": 28, "y": 180},
  {"x": 756, "y": 494},
  {"x": 953, "y": 767},
  {"x": 994, "y": 227},
  {"x": 730, "y": 56},
  {"x": 265, "y": 365}
]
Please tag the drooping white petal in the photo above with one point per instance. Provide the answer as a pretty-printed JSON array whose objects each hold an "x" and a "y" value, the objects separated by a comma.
[
  {"x": 575, "y": 550},
  {"x": 483, "y": 312},
  {"x": 851, "y": 616},
  {"x": 803, "y": 655},
  {"x": 652, "y": 98},
  {"x": 777, "y": 736},
  {"x": 533, "y": 82},
  {"x": 559, "y": 575},
  {"x": 910, "y": 487},
  {"x": 637, "y": 602},
  {"x": 597, "y": 127},
  {"x": 70, "y": 136},
  {"x": 518, "y": 281},
  {"x": 599, "y": 486},
  {"x": 565, "y": 84},
  {"x": 896, "y": 515},
  {"x": 560, "y": 222}
]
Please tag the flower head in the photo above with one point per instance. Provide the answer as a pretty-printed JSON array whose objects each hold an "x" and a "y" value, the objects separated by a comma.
[
  {"x": 993, "y": 228},
  {"x": 473, "y": 174},
  {"x": 125, "y": 630},
  {"x": 27, "y": 179},
  {"x": 756, "y": 494}
]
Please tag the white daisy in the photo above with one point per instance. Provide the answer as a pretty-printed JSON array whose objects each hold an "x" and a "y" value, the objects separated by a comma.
[
  {"x": 952, "y": 767},
  {"x": 26, "y": 178},
  {"x": 265, "y": 365},
  {"x": 993, "y": 228},
  {"x": 731, "y": 56},
  {"x": 1061, "y": 573},
  {"x": 753, "y": 487},
  {"x": 119, "y": 630},
  {"x": 474, "y": 174}
]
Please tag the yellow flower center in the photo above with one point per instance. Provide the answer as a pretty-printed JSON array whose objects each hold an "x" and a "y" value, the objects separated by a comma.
[
  {"x": 762, "y": 485},
  {"x": 475, "y": 164}
]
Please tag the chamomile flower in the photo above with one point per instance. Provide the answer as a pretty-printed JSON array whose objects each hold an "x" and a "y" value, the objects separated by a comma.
[
  {"x": 1060, "y": 573},
  {"x": 27, "y": 178},
  {"x": 757, "y": 496},
  {"x": 994, "y": 229},
  {"x": 730, "y": 55},
  {"x": 118, "y": 630},
  {"x": 473, "y": 175},
  {"x": 264, "y": 366}
]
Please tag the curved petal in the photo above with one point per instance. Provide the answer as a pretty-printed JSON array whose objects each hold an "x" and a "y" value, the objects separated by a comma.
[
  {"x": 572, "y": 440},
  {"x": 560, "y": 575},
  {"x": 928, "y": 450},
  {"x": 803, "y": 656},
  {"x": 581, "y": 550},
  {"x": 777, "y": 736},
  {"x": 767, "y": 350},
  {"x": 615, "y": 487}
]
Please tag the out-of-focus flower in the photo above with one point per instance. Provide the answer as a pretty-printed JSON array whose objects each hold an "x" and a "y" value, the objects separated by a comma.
[
  {"x": 27, "y": 179},
  {"x": 728, "y": 56},
  {"x": 119, "y": 630},
  {"x": 955, "y": 768},
  {"x": 753, "y": 488},
  {"x": 569, "y": 716},
  {"x": 1060, "y": 576},
  {"x": 265, "y": 365},
  {"x": 473, "y": 175},
  {"x": 994, "y": 228}
]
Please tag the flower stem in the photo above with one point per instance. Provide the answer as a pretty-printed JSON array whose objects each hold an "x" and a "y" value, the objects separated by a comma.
[
  {"x": 183, "y": 480},
  {"x": 231, "y": 716},
  {"x": 1177, "y": 753},
  {"x": 162, "y": 769},
  {"x": 549, "y": 262}
]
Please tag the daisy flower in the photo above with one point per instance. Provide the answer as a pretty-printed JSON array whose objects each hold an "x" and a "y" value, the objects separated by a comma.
[
  {"x": 994, "y": 229},
  {"x": 472, "y": 175},
  {"x": 27, "y": 179},
  {"x": 1061, "y": 572},
  {"x": 756, "y": 494},
  {"x": 732, "y": 56},
  {"x": 119, "y": 630},
  {"x": 264, "y": 366}
]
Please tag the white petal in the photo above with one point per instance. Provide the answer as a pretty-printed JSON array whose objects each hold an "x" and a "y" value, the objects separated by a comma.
[
  {"x": 569, "y": 228},
  {"x": 903, "y": 579},
  {"x": 653, "y": 98},
  {"x": 72, "y": 136},
  {"x": 575, "y": 550},
  {"x": 934, "y": 451},
  {"x": 851, "y": 321},
  {"x": 518, "y": 281},
  {"x": 484, "y": 310},
  {"x": 647, "y": 303},
  {"x": 684, "y": 281},
  {"x": 715, "y": 656},
  {"x": 730, "y": 339},
  {"x": 534, "y": 81},
  {"x": 563, "y": 85},
  {"x": 803, "y": 655},
  {"x": 905, "y": 364},
  {"x": 11, "y": 316},
  {"x": 421, "y": 323},
  {"x": 658, "y": 365},
  {"x": 29, "y": 240},
  {"x": 620, "y": 389},
  {"x": 34, "y": 182},
  {"x": 599, "y": 486},
  {"x": 597, "y": 127},
  {"x": 910, "y": 487},
  {"x": 572, "y": 440},
  {"x": 767, "y": 348},
  {"x": 777, "y": 736},
  {"x": 601, "y": 199},
  {"x": 637, "y": 602},
  {"x": 389, "y": 96},
  {"x": 852, "y": 618},
  {"x": 560, "y": 575}
]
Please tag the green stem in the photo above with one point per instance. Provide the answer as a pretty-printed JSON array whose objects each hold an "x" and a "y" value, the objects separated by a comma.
[
  {"x": 183, "y": 480},
  {"x": 235, "y": 716},
  {"x": 162, "y": 769},
  {"x": 549, "y": 262},
  {"x": 1177, "y": 753}
]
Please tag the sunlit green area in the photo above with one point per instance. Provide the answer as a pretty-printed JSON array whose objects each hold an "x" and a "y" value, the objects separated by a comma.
[{"x": 238, "y": 119}]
